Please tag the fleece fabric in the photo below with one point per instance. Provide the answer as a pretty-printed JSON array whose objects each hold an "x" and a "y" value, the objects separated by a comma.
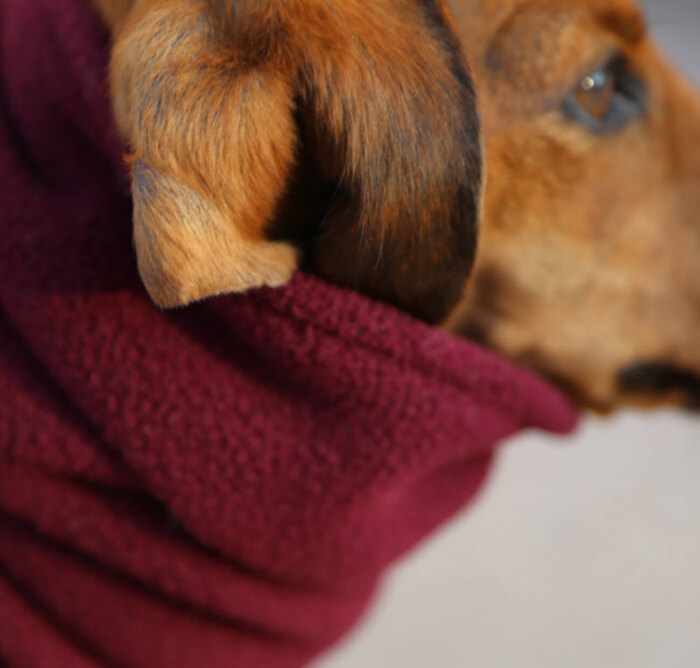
[{"x": 220, "y": 485}]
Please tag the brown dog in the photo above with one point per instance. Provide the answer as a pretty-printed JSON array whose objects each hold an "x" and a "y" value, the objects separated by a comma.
[{"x": 349, "y": 131}]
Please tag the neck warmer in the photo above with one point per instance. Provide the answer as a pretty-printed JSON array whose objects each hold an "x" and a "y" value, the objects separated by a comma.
[{"x": 220, "y": 485}]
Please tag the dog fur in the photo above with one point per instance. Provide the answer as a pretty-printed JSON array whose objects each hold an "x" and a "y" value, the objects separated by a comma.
[{"x": 264, "y": 134}]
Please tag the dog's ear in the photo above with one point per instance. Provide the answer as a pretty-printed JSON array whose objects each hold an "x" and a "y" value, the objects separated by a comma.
[
  {"x": 395, "y": 126},
  {"x": 217, "y": 99},
  {"x": 188, "y": 247},
  {"x": 212, "y": 141}
]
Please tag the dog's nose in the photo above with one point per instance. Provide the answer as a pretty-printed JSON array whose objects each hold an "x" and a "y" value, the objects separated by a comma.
[{"x": 660, "y": 378}]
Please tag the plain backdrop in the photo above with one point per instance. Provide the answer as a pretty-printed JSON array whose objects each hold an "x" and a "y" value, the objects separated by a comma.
[{"x": 582, "y": 553}]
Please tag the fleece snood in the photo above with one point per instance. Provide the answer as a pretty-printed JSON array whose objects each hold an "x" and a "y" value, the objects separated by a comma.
[{"x": 220, "y": 485}]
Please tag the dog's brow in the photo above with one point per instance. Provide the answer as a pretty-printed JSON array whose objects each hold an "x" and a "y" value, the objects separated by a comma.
[{"x": 626, "y": 22}]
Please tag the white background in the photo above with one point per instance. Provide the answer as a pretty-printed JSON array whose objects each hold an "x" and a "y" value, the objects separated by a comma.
[{"x": 580, "y": 554}]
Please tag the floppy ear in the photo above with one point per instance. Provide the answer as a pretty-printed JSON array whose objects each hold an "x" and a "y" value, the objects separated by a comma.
[
  {"x": 218, "y": 99},
  {"x": 395, "y": 125},
  {"x": 212, "y": 142},
  {"x": 188, "y": 248}
]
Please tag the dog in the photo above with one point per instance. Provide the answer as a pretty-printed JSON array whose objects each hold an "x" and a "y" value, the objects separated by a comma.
[{"x": 352, "y": 140}]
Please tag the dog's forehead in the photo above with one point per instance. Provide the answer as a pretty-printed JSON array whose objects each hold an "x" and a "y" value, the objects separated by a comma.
[
  {"x": 481, "y": 20},
  {"x": 529, "y": 53}
]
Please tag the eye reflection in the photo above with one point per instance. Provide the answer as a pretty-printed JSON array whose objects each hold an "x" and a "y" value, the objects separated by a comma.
[
  {"x": 596, "y": 92},
  {"x": 606, "y": 99}
]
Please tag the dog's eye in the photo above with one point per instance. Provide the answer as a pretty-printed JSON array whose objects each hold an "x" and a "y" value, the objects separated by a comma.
[
  {"x": 595, "y": 93},
  {"x": 607, "y": 99}
]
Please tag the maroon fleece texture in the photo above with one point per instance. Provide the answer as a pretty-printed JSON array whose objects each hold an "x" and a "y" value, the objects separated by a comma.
[{"x": 220, "y": 485}]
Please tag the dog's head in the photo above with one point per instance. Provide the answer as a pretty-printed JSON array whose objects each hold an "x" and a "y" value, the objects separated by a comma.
[
  {"x": 361, "y": 121},
  {"x": 590, "y": 241}
]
